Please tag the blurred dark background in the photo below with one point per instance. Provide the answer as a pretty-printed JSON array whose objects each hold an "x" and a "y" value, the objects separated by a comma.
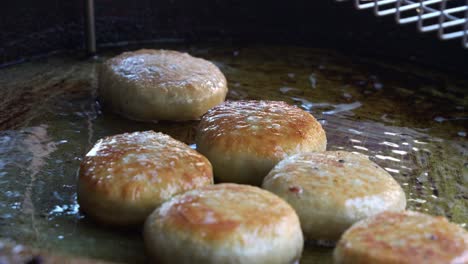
[{"x": 30, "y": 28}]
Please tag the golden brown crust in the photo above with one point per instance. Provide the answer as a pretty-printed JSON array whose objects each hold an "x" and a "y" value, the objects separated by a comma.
[
  {"x": 160, "y": 85},
  {"x": 265, "y": 128},
  {"x": 255, "y": 135},
  {"x": 228, "y": 206},
  {"x": 403, "y": 237},
  {"x": 225, "y": 222},
  {"x": 124, "y": 177},
  {"x": 331, "y": 190}
]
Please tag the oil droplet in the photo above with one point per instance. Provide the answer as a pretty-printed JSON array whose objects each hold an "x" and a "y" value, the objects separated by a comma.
[{"x": 313, "y": 80}]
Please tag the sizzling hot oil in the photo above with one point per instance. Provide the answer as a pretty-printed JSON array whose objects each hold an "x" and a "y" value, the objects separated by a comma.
[{"x": 411, "y": 121}]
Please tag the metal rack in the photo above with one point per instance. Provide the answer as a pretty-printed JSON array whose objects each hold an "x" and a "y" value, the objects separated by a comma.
[{"x": 448, "y": 17}]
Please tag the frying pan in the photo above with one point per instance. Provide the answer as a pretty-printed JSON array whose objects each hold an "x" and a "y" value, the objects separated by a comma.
[{"x": 378, "y": 89}]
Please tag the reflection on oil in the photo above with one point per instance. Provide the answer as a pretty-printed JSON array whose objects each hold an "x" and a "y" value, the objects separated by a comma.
[
  {"x": 392, "y": 170},
  {"x": 390, "y": 144},
  {"x": 363, "y": 108},
  {"x": 342, "y": 108},
  {"x": 334, "y": 108},
  {"x": 400, "y": 152},
  {"x": 361, "y": 148},
  {"x": 36, "y": 142},
  {"x": 72, "y": 209},
  {"x": 382, "y": 157},
  {"x": 313, "y": 80}
]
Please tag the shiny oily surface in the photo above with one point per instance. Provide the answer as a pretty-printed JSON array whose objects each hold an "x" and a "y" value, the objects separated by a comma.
[
  {"x": 271, "y": 129},
  {"x": 244, "y": 139},
  {"x": 166, "y": 69},
  {"x": 410, "y": 120},
  {"x": 331, "y": 190},
  {"x": 403, "y": 237},
  {"x": 124, "y": 177},
  {"x": 224, "y": 223},
  {"x": 150, "y": 84}
]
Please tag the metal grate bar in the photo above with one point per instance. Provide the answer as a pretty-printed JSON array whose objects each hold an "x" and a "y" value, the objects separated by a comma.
[
  {"x": 448, "y": 17},
  {"x": 433, "y": 14},
  {"x": 404, "y": 8},
  {"x": 465, "y": 28}
]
